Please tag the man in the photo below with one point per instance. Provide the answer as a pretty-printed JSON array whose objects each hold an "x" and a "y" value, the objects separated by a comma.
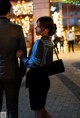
[
  {"x": 70, "y": 39},
  {"x": 11, "y": 40}
]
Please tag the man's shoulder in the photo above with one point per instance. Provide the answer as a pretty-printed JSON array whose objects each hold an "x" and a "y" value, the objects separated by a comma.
[{"x": 15, "y": 25}]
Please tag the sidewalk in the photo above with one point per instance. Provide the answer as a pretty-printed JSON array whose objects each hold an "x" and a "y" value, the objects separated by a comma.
[{"x": 63, "y": 99}]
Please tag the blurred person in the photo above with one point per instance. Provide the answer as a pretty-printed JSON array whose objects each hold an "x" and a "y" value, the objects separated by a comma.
[
  {"x": 40, "y": 54},
  {"x": 62, "y": 43},
  {"x": 70, "y": 39},
  {"x": 56, "y": 41},
  {"x": 11, "y": 40}
]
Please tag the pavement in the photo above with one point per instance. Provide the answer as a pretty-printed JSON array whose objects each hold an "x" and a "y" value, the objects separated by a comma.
[{"x": 63, "y": 100}]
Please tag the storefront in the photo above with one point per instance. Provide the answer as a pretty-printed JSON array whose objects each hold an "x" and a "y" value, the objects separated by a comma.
[{"x": 66, "y": 16}]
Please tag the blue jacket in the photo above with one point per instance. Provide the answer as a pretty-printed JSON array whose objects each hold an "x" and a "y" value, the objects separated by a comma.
[{"x": 41, "y": 53}]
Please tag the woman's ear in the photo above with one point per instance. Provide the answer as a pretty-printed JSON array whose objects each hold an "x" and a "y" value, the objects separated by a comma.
[{"x": 46, "y": 31}]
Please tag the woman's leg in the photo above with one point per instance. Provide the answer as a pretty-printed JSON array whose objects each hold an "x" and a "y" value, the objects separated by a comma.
[{"x": 42, "y": 113}]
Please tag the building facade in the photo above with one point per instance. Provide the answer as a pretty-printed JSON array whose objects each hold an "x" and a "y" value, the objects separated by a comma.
[{"x": 70, "y": 15}]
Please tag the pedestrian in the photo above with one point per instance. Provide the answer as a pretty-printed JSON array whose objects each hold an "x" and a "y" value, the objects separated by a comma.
[
  {"x": 11, "y": 40},
  {"x": 56, "y": 41},
  {"x": 62, "y": 43},
  {"x": 40, "y": 54},
  {"x": 70, "y": 39}
]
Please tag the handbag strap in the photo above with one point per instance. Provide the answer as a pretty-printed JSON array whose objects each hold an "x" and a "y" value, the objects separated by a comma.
[{"x": 56, "y": 53}]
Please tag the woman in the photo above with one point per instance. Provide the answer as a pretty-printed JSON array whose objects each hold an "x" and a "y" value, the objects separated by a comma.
[
  {"x": 11, "y": 40},
  {"x": 40, "y": 54}
]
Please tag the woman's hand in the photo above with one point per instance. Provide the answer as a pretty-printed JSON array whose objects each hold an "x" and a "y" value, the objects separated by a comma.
[{"x": 19, "y": 53}]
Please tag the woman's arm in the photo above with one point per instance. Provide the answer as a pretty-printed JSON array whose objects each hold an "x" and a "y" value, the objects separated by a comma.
[{"x": 35, "y": 57}]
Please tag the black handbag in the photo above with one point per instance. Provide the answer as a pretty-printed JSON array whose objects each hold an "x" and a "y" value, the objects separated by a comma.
[{"x": 55, "y": 67}]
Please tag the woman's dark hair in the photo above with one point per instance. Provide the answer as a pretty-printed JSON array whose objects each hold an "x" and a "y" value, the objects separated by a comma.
[
  {"x": 47, "y": 22},
  {"x": 5, "y": 6}
]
